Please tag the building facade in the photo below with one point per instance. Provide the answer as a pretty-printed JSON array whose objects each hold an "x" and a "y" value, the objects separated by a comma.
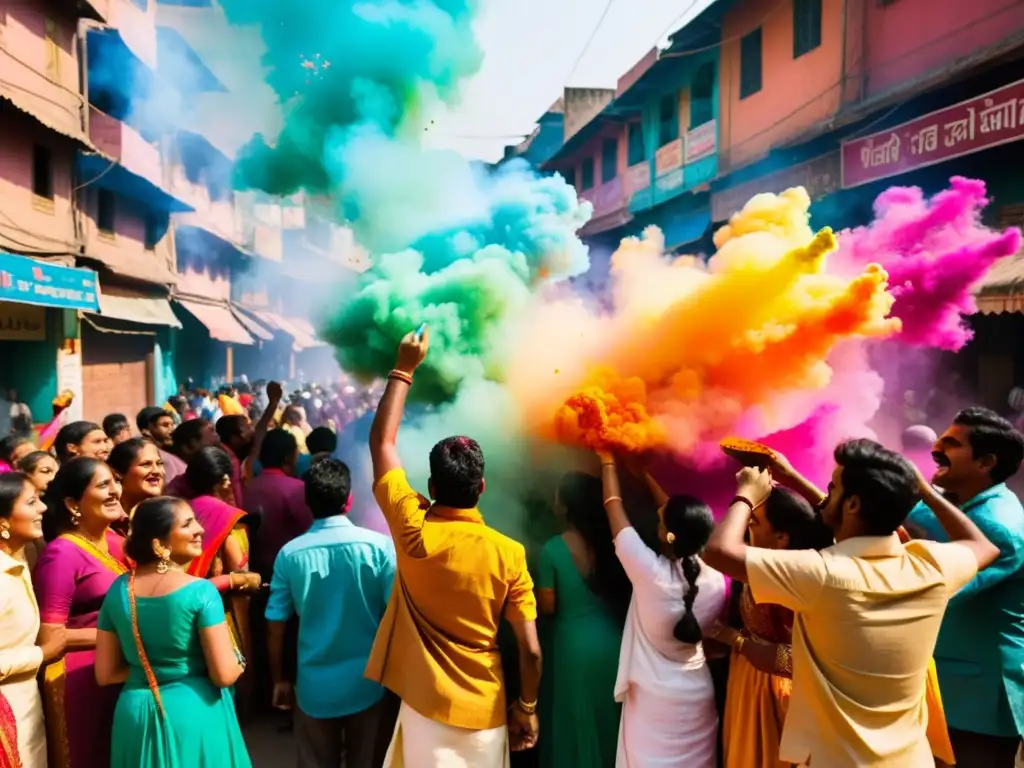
[{"x": 42, "y": 127}]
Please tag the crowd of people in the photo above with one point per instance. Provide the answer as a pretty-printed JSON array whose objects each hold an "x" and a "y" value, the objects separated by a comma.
[{"x": 877, "y": 622}]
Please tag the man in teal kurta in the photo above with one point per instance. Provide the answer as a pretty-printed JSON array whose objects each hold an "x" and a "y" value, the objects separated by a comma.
[{"x": 980, "y": 648}]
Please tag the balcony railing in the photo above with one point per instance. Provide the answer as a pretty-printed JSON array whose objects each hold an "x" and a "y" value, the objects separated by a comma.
[
  {"x": 215, "y": 216},
  {"x": 122, "y": 143}
]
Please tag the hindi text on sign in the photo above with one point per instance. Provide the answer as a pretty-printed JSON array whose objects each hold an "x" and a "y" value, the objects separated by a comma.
[{"x": 986, "y": 121}]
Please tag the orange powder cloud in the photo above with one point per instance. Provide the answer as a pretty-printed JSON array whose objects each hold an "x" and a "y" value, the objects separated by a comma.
[{"x": 689, "y": 349}]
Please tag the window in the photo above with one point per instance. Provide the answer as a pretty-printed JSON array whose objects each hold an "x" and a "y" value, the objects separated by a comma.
[
  {"x": 668, "y": 119},
  {"x": 42, "y": 172},
  {"x": 806, "y": 26},
  {"x": 637, "y": 151},
  {"x": 609, "y": 160},
  {"x": 750, "y": 64},
  {"x": 702, "y": 89},
  {"x": 569, "y": 174},
  {"x": 587, "y": 174},
  {"x": 105, "y": 211}
]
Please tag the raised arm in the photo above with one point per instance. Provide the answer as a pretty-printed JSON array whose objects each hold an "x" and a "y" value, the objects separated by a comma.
[
  {"x": 959, "y": 527},
  {"x": 613, "y": 507},
  {"x": 784, "y": 472},
  {"x": 384, "y": 432},
  {"x": 726, "y": 550},
  {"x": 259, "y": 431}
]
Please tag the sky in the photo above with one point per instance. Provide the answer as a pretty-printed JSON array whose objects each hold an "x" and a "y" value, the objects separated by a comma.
[{"x": 531, "y": 48}]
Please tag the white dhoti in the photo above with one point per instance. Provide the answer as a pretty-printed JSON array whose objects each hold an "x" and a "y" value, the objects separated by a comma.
[{"x": 423, "y": 743}]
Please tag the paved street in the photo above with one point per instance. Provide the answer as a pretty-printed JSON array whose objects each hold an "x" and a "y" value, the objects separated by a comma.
[{"x": 268, "y": 746}]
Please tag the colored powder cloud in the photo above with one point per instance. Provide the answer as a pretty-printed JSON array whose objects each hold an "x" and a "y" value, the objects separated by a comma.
[
  {"x": 936, "y": 251},
  {"x": 692, "y": 353},
  {"x": 470, "y": 284},
  {"x": 454, "y": 244}
]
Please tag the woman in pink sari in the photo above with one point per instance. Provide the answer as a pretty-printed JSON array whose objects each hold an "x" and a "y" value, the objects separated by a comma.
[
  {"x": 225, "y": 558},
  {"x": 81, "y": 561}
]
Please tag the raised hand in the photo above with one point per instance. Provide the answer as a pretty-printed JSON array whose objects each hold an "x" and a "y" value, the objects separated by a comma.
[
  {"x": 753, "y": 484},
  {"x": 412, "y": 351}
]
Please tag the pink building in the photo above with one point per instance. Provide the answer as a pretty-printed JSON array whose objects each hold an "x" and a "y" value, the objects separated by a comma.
[{"x": 41, "y": 127}]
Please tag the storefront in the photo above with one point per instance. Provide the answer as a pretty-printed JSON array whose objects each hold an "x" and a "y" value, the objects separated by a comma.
[
  {"x": 38, "y": 329},
  {"x": 213, "y": 334},
  {"x": 121, "y": 352}
]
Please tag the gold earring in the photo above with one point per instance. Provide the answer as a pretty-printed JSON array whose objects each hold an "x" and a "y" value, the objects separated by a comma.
[
  {"x": 75, "y": 516},
  {"x": 165, "y": 562},
  {"x": 670, "y": 537}
]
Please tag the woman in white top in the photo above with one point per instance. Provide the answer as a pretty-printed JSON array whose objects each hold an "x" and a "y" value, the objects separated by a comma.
[
  {"x": 669, "y": 718},
  {"x": 22, "y": 732}
]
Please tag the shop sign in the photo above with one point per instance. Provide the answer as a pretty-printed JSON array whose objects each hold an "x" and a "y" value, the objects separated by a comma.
[
  {"x": 669, "y": 157},
  {"x": 30, "y": 281},
  {"x": 701, "y": 141},
  {"x": 820, "y": 177},
  {"x": 22, "y": 322},
  {"x": 638, "y": 185},
  {"x": 994, "y": 118}
]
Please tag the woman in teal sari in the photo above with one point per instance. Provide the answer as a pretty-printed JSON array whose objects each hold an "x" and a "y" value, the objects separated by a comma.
[
  {"x": 162, "y": 633},
  {"x": 581, "y": 584}
]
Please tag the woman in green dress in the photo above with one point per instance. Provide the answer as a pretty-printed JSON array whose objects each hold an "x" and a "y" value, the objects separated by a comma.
[
  {"x": 581, "y": 584},
  {"x": 162, "y": 633}
]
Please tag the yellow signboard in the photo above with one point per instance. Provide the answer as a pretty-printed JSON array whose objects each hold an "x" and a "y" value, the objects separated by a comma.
[{"x": 22, "y": 322}]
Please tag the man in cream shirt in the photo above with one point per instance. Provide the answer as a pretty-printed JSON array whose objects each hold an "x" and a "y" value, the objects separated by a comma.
[{"x": 868, "y": 609}]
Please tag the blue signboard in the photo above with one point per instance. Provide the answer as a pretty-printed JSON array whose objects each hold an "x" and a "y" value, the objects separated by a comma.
[{"x": 29, "y": 281}]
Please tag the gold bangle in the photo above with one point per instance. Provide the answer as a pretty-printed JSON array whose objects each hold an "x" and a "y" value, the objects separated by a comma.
[
  {"x": 737, "y": 644},
  {"x": 400, "y": 376},
  {"x": 611, "y": 499},
  {"x": 607, "y": 463},
  {"x": 528, "y": 708}
]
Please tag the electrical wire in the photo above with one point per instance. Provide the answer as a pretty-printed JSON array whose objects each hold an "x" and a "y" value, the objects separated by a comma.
[
  {"x": 593, "y": 34},
  {"x": 726, "y": 41},
  {"x": 673, "y": 24}
]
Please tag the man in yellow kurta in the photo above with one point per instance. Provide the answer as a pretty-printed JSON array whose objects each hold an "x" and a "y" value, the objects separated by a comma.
[{"x": 437, "y": 647}]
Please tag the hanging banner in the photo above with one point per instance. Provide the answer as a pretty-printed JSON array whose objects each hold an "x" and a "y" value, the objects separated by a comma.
[
  {"x": 31, "y": 281},
  {"x": 994, "y": 118}
]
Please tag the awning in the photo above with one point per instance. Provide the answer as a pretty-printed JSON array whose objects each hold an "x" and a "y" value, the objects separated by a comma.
[
  {"x": 55, "y": 117},
  {"x": 96, "y": 168},
  {"x": 302, "y": 333},
  {"x": 30, "y": 281},
  {"x": 1002, "y": 288},
  {"x": 182, "y": 65},
  {"x": 253, "y": 327},
  {"x": 145, "y": 310},
  {"x": 682, "y": 228},
  {"x": 219, "y": 321}
]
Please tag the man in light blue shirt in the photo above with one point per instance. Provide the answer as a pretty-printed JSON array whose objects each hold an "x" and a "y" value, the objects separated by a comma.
[
  {"x": 337, "y": 579},
  {"x": 980, "y": 647}
]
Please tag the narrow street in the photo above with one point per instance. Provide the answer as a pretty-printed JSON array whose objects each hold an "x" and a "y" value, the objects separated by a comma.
[{"x": 269, "y": 747}]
